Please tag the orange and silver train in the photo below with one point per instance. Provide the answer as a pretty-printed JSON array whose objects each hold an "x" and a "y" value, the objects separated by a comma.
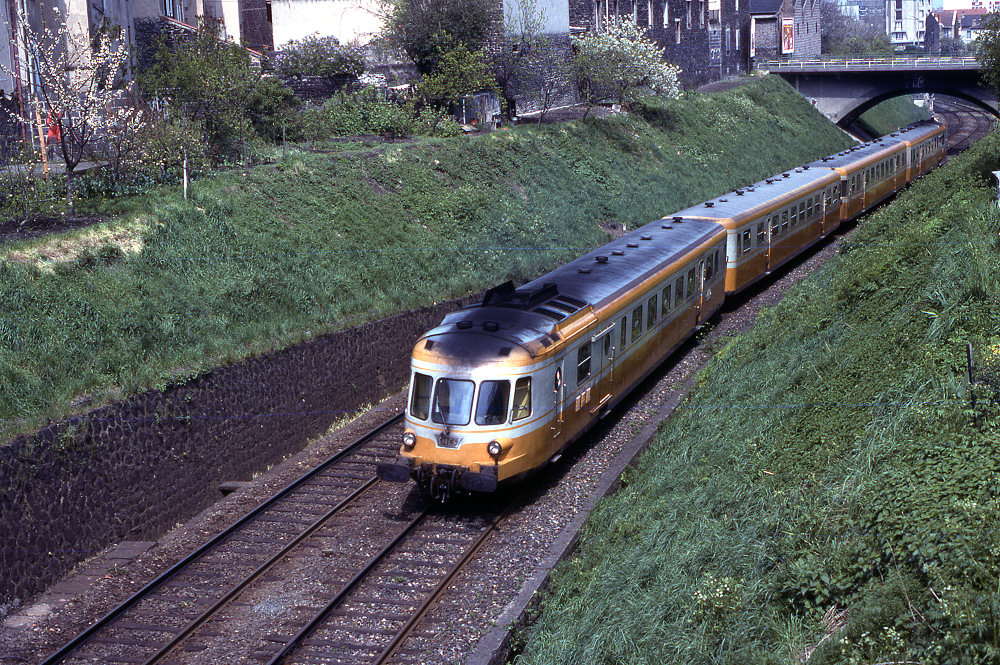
[{"x": 500, "y": 388}]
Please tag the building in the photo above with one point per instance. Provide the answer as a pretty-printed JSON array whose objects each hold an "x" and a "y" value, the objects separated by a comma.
[
  {"x": 707, "y": 39},
  {"x": 785, "y": 29},
  {"x": 961, "y": 25},
  {"x": 906, "y": 21}
]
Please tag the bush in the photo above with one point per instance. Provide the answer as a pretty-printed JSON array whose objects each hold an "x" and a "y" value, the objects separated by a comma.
[
  {"x": 318, "y": 56},
  {"x": 369, "y": 112},
  {"x": 460, "y": 72},
  {"x": 425, "y": 29}
]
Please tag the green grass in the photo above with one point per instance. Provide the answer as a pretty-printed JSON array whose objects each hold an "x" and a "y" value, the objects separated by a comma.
[
  {"x": 262, "y": 259},
  {"x": 892, "y": 114},
  {"x": 827, "y": 490}
]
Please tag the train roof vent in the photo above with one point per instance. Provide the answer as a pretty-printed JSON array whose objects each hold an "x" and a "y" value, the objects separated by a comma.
[
  {"x": 584, "y": 271},
  {"x": 709, "y": 204},
  {"x": 785, "y": 175},
  {"x": 601, "y": 259},
  {"x": 633, "y": 245},
  {"x": 646, "y": 236},
  {"x": 769, "y": 181},
  {"x": 491, "y": 326},
  {"x": 576, "y": 302},
  {"x": 464, "y": 325},
  {"x": 504, "y": 351},
  {"x": 678, "y": 219},
  {"x": 739, "y": 192},
  {"x": 666, "y": 226},
  {"x": 562, "y": 306},
  {"x": 552, "y": 314},
  {"x": 798, "y": 170},
  {"x": 618, "y": 252},
  {"x": 751, "y": 189},
  {"x": 805, "y": 167},
  {"x": 723, "y": 200},
  {"x": 506, "y": 295}
]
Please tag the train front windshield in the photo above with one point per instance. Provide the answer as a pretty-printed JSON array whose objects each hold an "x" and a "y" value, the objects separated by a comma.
[{"x": 450, "y": 401}]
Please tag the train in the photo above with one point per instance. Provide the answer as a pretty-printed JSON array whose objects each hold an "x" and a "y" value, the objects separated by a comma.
[{"x": 500, "y": 388}]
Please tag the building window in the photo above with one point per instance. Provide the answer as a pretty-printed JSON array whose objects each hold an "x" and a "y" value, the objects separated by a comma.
[
  {"x": 677, "y": 26},
  {"x": 666, "y": 16}
]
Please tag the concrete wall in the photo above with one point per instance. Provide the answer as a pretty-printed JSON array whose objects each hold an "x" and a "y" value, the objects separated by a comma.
[
  {"x": 132, "y": 470},
  {"x": 350, "y": 21}
]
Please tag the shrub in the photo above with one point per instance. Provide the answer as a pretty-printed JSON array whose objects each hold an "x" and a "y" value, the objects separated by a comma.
[{"x": 318, "y": 56}]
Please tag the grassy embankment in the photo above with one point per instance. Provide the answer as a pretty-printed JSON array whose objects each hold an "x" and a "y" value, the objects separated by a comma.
[
  {"x": 892, "y": 114},
  {"x": 261, "y": 259},
  {"x": 827, "y": 494}
]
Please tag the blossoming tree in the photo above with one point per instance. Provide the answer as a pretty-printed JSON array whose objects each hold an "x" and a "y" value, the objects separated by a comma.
[{"x": 621, "y": 65}]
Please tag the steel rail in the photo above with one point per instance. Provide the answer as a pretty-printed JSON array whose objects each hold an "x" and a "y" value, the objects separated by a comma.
[
  {"x": 111, "y": 616},
  {"x": 318, "y": 618},
  {"x": 224, "y": 600},
  {"x": 432, "y": 599}
]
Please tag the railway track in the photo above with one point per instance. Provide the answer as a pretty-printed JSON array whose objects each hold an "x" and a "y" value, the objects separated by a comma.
[
  {"x": 181, "y": 607},
  {"x": 967, "y": 123}
]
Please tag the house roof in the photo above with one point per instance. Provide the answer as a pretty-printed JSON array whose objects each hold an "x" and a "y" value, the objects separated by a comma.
[{"x": 765, "y": 6}]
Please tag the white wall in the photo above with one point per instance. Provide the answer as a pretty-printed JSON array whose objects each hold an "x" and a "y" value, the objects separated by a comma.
[{"x": 350, "y": 21}]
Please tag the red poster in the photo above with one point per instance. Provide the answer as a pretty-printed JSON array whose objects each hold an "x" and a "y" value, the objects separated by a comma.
[{"x": 787, "y": 35}]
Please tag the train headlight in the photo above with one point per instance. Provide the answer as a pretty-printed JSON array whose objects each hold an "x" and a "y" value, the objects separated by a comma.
[
  {"x": 494, "y": 448},
  {"x": 409, "y": 440}
]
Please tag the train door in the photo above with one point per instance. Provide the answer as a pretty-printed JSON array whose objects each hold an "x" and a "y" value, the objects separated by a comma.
[
  {"x": 604, "y": 350},
  {"x": 558, "y": 395},
  {"x": 701, "y": 300}
]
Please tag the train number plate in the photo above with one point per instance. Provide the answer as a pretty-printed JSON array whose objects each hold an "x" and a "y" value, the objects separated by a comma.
[{"x": 445, "y": 441}]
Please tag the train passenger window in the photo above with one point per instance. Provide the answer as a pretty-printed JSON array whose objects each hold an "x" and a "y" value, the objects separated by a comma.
[
  {"x": 802, "y": 211},
  {"x": 651, "y": 312},
  {"x": 678, "y": 292},
  {"x": 522, "y": 399},
  {"x": 747, "y": 240},
  {"x": 792, "y": 218},
  {"x": 623, "y": 331},
  {"x": 690, "y": 288},
  {"x": 665, "y": 299},
  {"x": 420, "y": 396},
  {"x": 761, "y": 235},
  {"x": 492, "y": 406},
  {"x": 583, "y": 363},
  {"x": 453, "y": 401},
  {"x": 607, "y": 345},
  {"x": 809, "y": 208},
  {"x": 775, "y": 226},
  {"x": 709, "y": 268},
  {"x": 636, "y": 323}
]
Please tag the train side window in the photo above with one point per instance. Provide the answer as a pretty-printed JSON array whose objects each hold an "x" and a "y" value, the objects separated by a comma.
[
  {"x": 522, "y": 399},
  {"x": 651, "y": 312},
  {"x": 665, "y": 299},
  {"x": 491, "y": 409},
  {"x": 453, "y": 401},
  {"x": 607, "y": 345},
  {"x": 420, "y": 397},
  {"x": 802, "y": 211},
  {"x": 636, "y": 323},
  {"x": 761, "y": 234},
  {"x": 583, "y": 363},
  {"x": 709, "y": 267},
  {"x": 739, "y": 243},
  {"x": 690, "y": 286},
  {"x": 747, "y": 240},
  {"x": 775, "y": 226},
  {"x": 678, "y": 292},
  {"x": 623, "y": 331},
  {"x": 792, "y": 216},
  {"x": 809, "y": 208}
]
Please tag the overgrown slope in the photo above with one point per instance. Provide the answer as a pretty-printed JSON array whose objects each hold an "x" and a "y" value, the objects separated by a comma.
[
  {"x": 829, "y": 493},
  {"x": 261, "y": 259}
]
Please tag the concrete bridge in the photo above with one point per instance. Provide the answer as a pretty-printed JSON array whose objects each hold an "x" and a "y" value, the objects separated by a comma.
[{"x": 843, "y": 89}]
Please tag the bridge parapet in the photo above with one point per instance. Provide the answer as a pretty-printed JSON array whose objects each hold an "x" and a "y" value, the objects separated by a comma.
[{"x": 901, "y": 63}]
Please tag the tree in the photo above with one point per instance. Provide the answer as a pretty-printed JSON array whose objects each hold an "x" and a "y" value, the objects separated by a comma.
[
  {"x": 425, "y": 29},
  {"x": 846, "y": 35},
  {"x": 77, "y": 89},
  {"x": 988, "y": 51},
  {"x": 210, "y": 81},
  {"x": 622, "y": 65},
  {"x": 460, "y": 72}
]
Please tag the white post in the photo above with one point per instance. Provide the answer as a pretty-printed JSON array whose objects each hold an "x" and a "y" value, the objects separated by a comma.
[{"x": 185, "y": 174}]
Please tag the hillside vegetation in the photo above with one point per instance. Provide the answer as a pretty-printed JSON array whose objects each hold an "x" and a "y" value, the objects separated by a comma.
[
  {"x": 264, "y": 258},
  {"x": 827, "y": 494}
]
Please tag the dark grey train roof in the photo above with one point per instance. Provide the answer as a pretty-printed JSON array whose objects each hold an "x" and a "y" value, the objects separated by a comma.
[{"x": 531, "y": 312}]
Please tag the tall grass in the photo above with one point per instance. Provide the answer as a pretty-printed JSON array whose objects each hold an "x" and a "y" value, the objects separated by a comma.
[
  {"x": 263, "y": 258},
  {"x": 828, "y": 493}
]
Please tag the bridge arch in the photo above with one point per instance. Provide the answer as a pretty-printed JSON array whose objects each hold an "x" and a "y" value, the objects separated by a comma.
[{"x": 863, "y": 105}]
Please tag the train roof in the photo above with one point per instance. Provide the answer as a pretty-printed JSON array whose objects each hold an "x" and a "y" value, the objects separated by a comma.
[
  {"x": 872, "y": 150},
  {"x": 753, "y": 199},
  {"x": 538, "y": 314}
]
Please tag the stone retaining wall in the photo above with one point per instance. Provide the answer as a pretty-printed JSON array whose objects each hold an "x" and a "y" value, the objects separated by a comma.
[{"x": 131, "y": 470}]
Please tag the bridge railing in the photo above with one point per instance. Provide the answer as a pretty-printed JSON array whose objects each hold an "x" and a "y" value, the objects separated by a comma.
[{"x": 862, "y": 64}]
